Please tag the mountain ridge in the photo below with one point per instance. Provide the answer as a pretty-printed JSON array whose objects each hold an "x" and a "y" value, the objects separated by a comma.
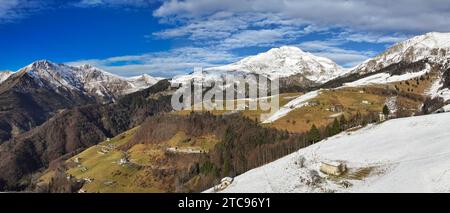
[
  {"x": 36, "y": 92},
  {"x": 74, "y": 129},
  {"x": 5, "y": 75},
  {"x": 286, "y": 61},
  {"x": 433, "y": 46},
  {"x": 282, "y": 63},
  {"x": 86, "y": 78}
]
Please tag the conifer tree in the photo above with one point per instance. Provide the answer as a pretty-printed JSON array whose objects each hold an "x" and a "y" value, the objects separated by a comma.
[
  {"x": 314, "y": 134},
  {"x": 336, "y": 128},
  {"x": 386, "y": 110},
  {"x": 343, "y": 123}
]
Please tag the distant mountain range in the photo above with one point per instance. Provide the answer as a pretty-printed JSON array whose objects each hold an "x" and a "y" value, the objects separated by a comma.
[
  {"x": 84, "y": 79},
  {"x": 299, "y": 69},
  {"x": 71, "y": 130},
  {"x": 33, "y": 94},
  {"x": 287, "y": 61},
  {"x": 289, "y": 64}
]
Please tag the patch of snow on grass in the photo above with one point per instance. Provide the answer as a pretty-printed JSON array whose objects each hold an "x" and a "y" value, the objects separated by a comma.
[
  {"x": 383, "y": 78},
  {"x": 294, "y": 104},
  {"x": 436, "y": 91},
  {"x": 391, "y": 103}
]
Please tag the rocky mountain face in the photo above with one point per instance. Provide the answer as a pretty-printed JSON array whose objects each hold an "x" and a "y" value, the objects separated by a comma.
[
  {"x": 435, "y": 47},
  {"x": 86, "y": 79},
  {"x": 26, "y": 103},
  {"x": 73, "y": 130},
  {"x": 415, "y": 55},
  {"x": 4, "y": 75},
  {"x": 33, "y": 94}
]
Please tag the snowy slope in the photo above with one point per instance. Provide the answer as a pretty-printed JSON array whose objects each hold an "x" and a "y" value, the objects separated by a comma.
[
  {"x": 437, "y": 90},
  {"x": 5, "y": 75},
  {"x": 292, "y": 105},
  {"x": 380, "y": 78},
  {"x": 384, "y": 78},
  {"x": 433, "y": 46},
  {"x": 85, "y": 78},
  {"x": 277, "y": 63},
  {"x": 143, "y": 81},
  {"x": 446, "y": 108},
  {"x": 407, "y": 155},
  {"x": 287, "y": 61}
]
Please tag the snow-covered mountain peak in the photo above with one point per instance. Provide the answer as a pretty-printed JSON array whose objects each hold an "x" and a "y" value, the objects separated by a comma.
[
  {"x": 86, "y": 66},
  {"x": 65, "y": 70},
  {"x": 430, "y": 40},
  {"x": 50, "y": 70},
  {"x": 285, "y": 51},
  {"x": 54, "y": 75},
  {"x": 85, "y": 79},
  {"x": 87, "y": 69},
  {"x": 42, "y": 64},
  {"x": 286, "y": 56},
  {"x": 418, "y": 44},
  {"x": 5, "y": 75},
  {"x": 141, "y": 81},
  {"x": 433, "y": 46},
  {"x": 286, "y": 61},
  {"x": 144, "y": 77}
]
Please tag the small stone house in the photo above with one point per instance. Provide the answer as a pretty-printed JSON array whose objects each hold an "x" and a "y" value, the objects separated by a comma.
[
  {"x": 333, "y": 168},
  {"x": 224, "y": 183}
]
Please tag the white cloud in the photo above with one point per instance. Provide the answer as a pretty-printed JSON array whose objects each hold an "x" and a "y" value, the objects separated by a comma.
[
  {"x": 94, "y": 3},
  {"x": 11, "y": 10},
  {"x": 255, "y": 38},
  {"x": 7, "y": 6},
  {"x": 228, "y": 31},
  {"x": 331, "y": 49},
  {"x": 372, "y": 37},
  {"x": 90, "y": 2},
  {"x": 196, "y": 8},
  {"x": 232, "y": 24},
  {"x": 254, "y": 23},
  {"x": 346, "y": 58},
  {"x": 382, "y": 15},
  {"x": 215, "y": 27},
  {"x": 162, "y": 64}
]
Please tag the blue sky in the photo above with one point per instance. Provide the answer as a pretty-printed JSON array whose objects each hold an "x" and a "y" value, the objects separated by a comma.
[{"x": 165, "y": 38}]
